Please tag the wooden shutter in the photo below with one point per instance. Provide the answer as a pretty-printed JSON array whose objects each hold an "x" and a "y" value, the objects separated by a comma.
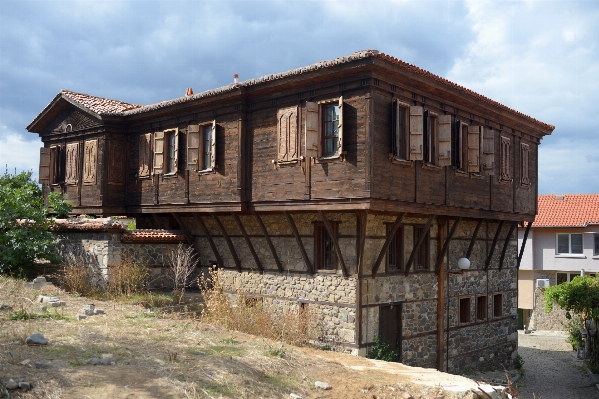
[
  {"x": 488, "y": 151},
  {"x": 45, "y": 156},
  {"x": 158, "y": 152},
  {"x": 193, "y": 147},
  {"x": 474, "y": 149},
  {"x": 394, "y": 125},
  {"x": 505, "y": 159},
  {"x": 416, "y": 133},
  {"x": 72, "y": 169},
  {"x": 145, "y": 154},
  {"x": 524, "y": 158},
  {"x": 340, "y": 126},
  {"x": 425, "y": 136},
  {"x": 287, "y": 134},
  {"x": 176, "y": 160},
  {"x": 312, "y": 124},
  {"x": 90, "y": 161},
  {"x": 445, "y": 140},
  {"x": 213, "y": 144}
]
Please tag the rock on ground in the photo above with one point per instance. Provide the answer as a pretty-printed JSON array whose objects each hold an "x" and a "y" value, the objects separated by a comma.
[{"x": 36, "y": 339}]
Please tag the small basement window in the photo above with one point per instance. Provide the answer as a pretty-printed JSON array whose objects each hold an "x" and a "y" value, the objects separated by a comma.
[
  {"x": 464, "y": 311},
  {"x": 497, "y": 305},
  {"x": 481, "y": 308}
]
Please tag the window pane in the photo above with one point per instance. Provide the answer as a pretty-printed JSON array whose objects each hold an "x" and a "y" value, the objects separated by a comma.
[
  {"x": 596, "y": 244},
  {"x": 576, "y": 241},
  {"x": 563, "y": 245},
  {"x": 400, "y": 133},
  {"x": 562, "y": 277},
  {"x": 207, "y": 147},
  {"x": 171, "y": 153}
]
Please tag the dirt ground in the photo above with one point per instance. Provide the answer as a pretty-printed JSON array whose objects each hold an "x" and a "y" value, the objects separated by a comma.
[{"x": 167, "y": 356}]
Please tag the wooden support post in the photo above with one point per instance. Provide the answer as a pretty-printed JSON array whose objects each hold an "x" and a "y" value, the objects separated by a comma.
[
  {"x": 441, "y": 256},
  {"x": 427, "y": 226},
  {"x": 335, "y": 241},
  {"x": 248, "y": 241},
  {"x": 268, "y": 241},
  {"x": 228, "y": 241},
  {"x": 158, "y": 222},
  {"x": 300, "y": 244},
  {"x": 506, "y": 243},
  {"x": 361, "y": 221},
  {"x": 308, "y": 183},
  {"x": 394, "y": 228},
  {"x": 528, "y": 225},
  {"x": 188, "y": 236},
  {"x": 471, "y": 247},
  {"x": 497, "y": 233},
  {"x": 219, "y": 259}
]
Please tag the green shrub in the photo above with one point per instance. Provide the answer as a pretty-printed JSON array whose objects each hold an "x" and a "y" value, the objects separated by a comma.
[
  {"x": 381, "y": 350},
  {"x": 59, "y": 205}
]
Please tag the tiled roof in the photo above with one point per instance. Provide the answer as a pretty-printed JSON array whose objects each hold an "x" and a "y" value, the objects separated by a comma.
[
  {"x": 103, "y": 106},
  {"x": 153, "y": 236},
  {"x": 102, "y": 224},
  {"x": 574, "y": 210}
]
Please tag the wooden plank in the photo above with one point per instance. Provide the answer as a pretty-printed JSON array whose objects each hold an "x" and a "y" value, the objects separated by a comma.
[
  {"x": 427, "y": 226},
  {"x": 335, "y": 241},
  {"x": 441, "y": 292},
  {"x": 188, "y": 236},
  {"x": 506, "y": 243},
  {"x": 300, "y": 244},
  {"x": 361, "y": 223},
  {"x": 160, "y": 226},
  {"x": 471, "y": 247},
  {"x": 219, "y": 259},
  {"x": 446, "y": 245},
  {"x": 228, "y": 241},
  {"x": 497, "y": 233},
  {"x": 528, "y": 225},
  {"x": 248, "y": 241},
  {"x": 390, "y": 236},
  {"x": 269, "y": 241}
]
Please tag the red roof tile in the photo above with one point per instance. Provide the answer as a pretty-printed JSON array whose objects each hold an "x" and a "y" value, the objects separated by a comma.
[
  {"x": 102, "y": 224},
  {"x": 99, "y": 105},
  {"x": 574, "y": 210},
  {"x": 153, "y": 236}
]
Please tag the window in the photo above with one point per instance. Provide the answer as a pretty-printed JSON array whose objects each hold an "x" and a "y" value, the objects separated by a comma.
[
  {"x": 422, "y": 255},
  {"x": 497, "y": 305},
  {"x": 459, "y": 131},
  {"x": 201, "y": 147},
  {"x": 474, "y": 147},
  {"x": 324, "y": 129},
  {"x": 566, "y": 277},
  {"x": 481, "y": 308},
  {"x": 325, "y": 257},
  {"x": 52, "y": 165},
  {"x": 399, "y": 130},
  {"x": 569, "y": 244},
  {"x": 166, "y": 152},
  {"x": 395, "y": 252},
  {"x": 506, "y": 160},
  {"x": 444, "y": 132},
  {"x": 464, "y": 310},
  {"x": 488, "y": 151},
  {"x": 145, "y": 154},
  {"x": 430, "y": 138},
  {"x": 596, "y": 251},
  {"x": 524, "y": 180}
]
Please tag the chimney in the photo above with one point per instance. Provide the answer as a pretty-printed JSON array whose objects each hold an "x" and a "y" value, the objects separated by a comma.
[
  {"x": 189, "y": 91},
  {"x": 559, "y": 197},
  {"x": 236, "y": 79}
]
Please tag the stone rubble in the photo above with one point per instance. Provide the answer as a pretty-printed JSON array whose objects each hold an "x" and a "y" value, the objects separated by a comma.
[
  {"x": 51, "y": 300},
  {"x": 322, "y": 385},
  {"x": 38, "y": 283},
  {"x": 18, "y": 383},
  {"x": 88, "y": 310},
  {"x": 36, "y": 339}
]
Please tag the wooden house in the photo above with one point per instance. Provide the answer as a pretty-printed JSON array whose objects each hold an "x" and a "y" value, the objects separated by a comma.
[{"x": 351, "y": 186}]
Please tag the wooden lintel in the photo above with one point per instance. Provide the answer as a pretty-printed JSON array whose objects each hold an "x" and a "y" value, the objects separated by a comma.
[
  {"x": 157, "y": 220},
  {"x": 446, "y": 245},
  {"x": 528, "y": 225},
  {"x": 300, "y": 244},
  {"x": 248, "y": 241},
  {"x": 335, "y": 241},
  {"x": 506, "y": 243},
  {"x": 228, "y": 241},
  {"x": 390, "y": 236},
  {"x": 473, "y": 240},
  {"x": 188, "y": 236},
  {"x": 268, "y": 241},
  {"x": 427, "y": 226},
  {"x": 497, "y": 233},
  {"x": 200, "y": 222}
]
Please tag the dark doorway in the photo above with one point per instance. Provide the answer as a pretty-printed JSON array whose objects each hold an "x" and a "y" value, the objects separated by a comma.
[{"x": 390, "y": 325}]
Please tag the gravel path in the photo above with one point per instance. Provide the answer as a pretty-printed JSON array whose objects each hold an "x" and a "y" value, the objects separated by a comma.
[{"x": 551, "y": 369}]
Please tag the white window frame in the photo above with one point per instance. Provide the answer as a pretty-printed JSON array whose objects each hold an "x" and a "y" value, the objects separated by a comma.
[
  {"x": 596, "y": 244},
  {"x": 569, "y": 253}
]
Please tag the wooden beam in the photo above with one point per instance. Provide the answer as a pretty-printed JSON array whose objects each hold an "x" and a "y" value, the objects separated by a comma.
[
  {"x": 523, "y": 243},
  {"x": 441, "y": 256},
  {"x": 427, "y": 226},
  {"x": 390, "y": 236},
  {"x": 506, "y": 243},
  {"x": 200, "y": 222},
  {"x": 158, "y": 222},
  {"x": 471, "y": 247},
  {"x": 248, "y": 241},
  {"x": 268, "y": 241},
  {"x": 228, "y": 241},
  {"x": 299, "y": 242},
  {"x": 333, "y": 236},
  {"x": 361, "y": 222},
  {"x": 497, "y": 233},
  {"x": 441, "y": 292},
  {"x": 188, "y": 236}
]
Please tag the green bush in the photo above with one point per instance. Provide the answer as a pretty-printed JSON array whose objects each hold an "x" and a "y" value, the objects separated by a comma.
[
  {"x": 59, "y": 204},
  {"x": 381, "y": 350}
]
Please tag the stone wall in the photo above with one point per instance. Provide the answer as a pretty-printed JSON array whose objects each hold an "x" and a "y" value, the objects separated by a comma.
[{"x": 543, "y": 321}]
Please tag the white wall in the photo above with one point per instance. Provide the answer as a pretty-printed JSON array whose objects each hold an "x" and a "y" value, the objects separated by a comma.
[
  {"x": 544, "y": 253},
  {"x": 527, "y": 256}
]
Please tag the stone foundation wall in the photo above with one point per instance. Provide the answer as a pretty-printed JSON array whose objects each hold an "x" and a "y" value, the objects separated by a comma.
[{"x": 543, "y": 321}]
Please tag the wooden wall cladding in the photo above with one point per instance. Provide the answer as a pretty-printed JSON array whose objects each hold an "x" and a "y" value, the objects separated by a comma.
[
  {"x": 72, "y": 120},
  {"x": 117, "y": 161},
  {"x": 72, "y": 164},
  {"x": 90, "y": 161}
]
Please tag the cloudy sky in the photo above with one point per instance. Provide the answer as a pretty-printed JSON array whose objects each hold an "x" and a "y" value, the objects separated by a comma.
[{"x": 539, "y": 57}]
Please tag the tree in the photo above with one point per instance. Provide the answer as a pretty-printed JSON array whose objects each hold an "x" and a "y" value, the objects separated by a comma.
[
  {"x": 580, "y": 296},
  {"x": 24, "y": 234}
]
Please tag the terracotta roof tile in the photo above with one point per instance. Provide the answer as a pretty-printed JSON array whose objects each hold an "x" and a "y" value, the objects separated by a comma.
[
  {"x": 574, "y": 210},
  {"x": 153, "y": 236},
  {"x": 99, "y": 105},
  {"x": 102, "y": 224}
]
